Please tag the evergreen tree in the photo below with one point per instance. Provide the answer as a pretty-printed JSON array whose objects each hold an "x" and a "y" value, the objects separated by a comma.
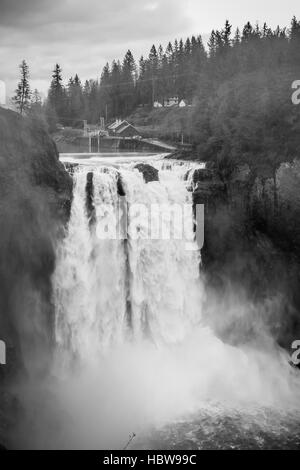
[
  {"x": 94, "y": 114},
  {"x": 104, "y": 93},
  {"x": 153, "y": 72},
  {"x": 294, "y": 39},
  {"x": 36, "y": 101},
  {"x": 56, "y": 95},
  {"x": 23, "y": 93},
  {"x": 170, "y": 71},
  {"x": 295, "y": 30},
  {"x": 115, "y": 89},
  {"x": 75, "y": 99},
  {"x": 37, "y": 110},
  {"x": 212, "y": 44},
  {"x": 128, "y": 84},
  {"x": 248, "y": 32},
  {"x": 142, "y": 85},
  {"x": 226, "y": 33},
  {"x": 237, "y": 37}
]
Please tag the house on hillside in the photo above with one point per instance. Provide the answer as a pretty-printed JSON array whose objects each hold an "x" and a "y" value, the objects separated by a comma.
[
  {"x": 121, "y": 128},
  {"x": 111, "y": 128},
  {"x": 157, "y": 104},
  {"x": 182, "y": 104},
  {"x": 169, "y": 102}
]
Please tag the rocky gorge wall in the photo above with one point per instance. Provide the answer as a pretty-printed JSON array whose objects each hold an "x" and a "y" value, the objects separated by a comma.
[
  {"x": 251, "y": 255},
  {"x": 35, "y": 195}
]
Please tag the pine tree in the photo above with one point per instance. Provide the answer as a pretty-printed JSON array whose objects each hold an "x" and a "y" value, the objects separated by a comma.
[
  {"x": 181, "y": 70},
  {"x": 36, "y": 101},
  {"x": 37, "y": 110},
  {"x": 169, "y": 52},
  {"x": 237, "y": 37},
  {"x": 142, "y": 83},
  {"x": 248, "y": 32},
  {"x": 212, "y": 44},
  {"x": 153, "y": 72},
  {"x": 104, "y": 93},
  {"x": 294, "y": 39},
  {"x": 295, "y": 30},
  {"x": 94, "y": 102},
  {"x": 115, "y": 89},
  {"x": 226, "y": 33},
  {"x": 128, "y": 84},
  {"x": 56, "y": 95},
  {"x": 170, "y": 71},
  {"x": 75, "y": 98},
  {"x": 160, "y": 55},
  {"x": 23, "y": 93}
]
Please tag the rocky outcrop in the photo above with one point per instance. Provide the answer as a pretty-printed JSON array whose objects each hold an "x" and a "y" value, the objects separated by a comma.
[
  {"x": 149, "y": 172},
  {"x": 35, "y": 201},
  {"x": 35, "y": 197},
  {"x": 252, "y": 248}
]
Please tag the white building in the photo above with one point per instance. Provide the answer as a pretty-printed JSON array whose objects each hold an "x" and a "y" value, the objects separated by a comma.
[
  {"x": 169, "y": 102},
  {"x": 182, "y": 104}
]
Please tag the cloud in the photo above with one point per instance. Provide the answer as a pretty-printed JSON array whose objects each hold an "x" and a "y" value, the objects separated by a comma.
[{"x": 81, "y": 36}]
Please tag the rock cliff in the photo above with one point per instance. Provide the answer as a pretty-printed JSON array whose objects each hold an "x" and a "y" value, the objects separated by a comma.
[
  {"x": 35, "y": 195},
  {"x": 251, "y": 255}
]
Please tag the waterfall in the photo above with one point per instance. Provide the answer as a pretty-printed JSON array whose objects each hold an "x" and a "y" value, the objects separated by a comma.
[
  {"x": 111, "y": 290},
  {"x": 89, "y": 281},
  {"x": 133, "y": 349}
]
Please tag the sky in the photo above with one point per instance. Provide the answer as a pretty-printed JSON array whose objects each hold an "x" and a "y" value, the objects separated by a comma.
[{"x": 82, "y": 35}]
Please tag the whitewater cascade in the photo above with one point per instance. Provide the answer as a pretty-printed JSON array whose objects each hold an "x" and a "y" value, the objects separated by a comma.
[{"x": 112, "y": 290}]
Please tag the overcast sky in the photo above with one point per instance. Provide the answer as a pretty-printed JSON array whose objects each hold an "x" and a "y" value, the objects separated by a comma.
[{"x": 82, "y": 35}]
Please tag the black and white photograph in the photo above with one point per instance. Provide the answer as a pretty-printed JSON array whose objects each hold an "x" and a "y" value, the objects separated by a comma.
[{"x": 149, "y": 228}]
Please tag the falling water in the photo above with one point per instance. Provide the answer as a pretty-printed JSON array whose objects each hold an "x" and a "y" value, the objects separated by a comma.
[
  {"x": 133, "y": 353},
  {"x": 99, "y": 280}
]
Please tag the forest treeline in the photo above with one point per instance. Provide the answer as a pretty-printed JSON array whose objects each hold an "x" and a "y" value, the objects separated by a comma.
[
  {"x": 240, "y": 88},
  {"x": 125, "y": 85}
]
